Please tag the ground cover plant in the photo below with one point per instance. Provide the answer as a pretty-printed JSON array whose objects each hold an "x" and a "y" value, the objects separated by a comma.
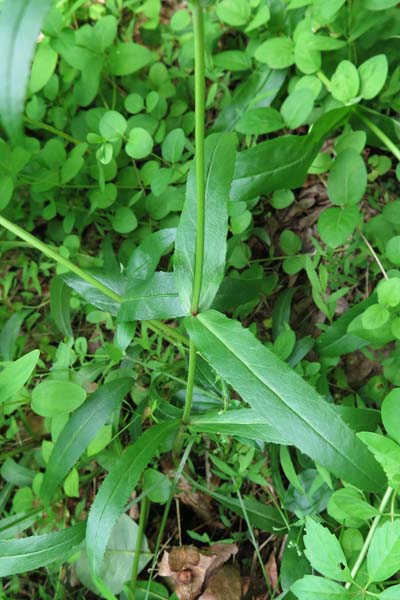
[{"x": 200, "y": 244}]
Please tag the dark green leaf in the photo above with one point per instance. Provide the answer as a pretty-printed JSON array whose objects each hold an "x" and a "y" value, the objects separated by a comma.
[
  {"x": 80, "y": 430},
  {"x": 115, "y": 492},
  {"x": 27, "y": 554},
  {"x": 145, "y": 258},
  {"x": 9, "y": 334},
  {"x": 153, "y": 298},
  {"x": 126, "y": 58},
  {"x": 220, "y": 161},
  {"x": 114, "y": 281},
  {"x": 259, "y": 90},
  {"x": 236, "y": 292},
  {"x": 20, "y": 24},
  {"x": 60, "y": 295},
  {"x": 283, "y": 162},
  {"x": 283, "y": 398}
]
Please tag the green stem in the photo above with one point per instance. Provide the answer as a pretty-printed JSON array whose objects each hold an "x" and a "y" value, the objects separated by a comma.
[
  {"x": 34, "y": 242},
  {"x": 144, "y": 506},
  {"x": 190, "y": 384},
  {"x": 200, "y": 91},
  {"x": 395, "y": 150},
  {"x": 368, "y": 539},
  {"x": 51, "y": 129},
  {"x": 200, "y": 117}
]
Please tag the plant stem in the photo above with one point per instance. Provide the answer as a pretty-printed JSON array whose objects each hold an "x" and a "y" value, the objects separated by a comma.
[
  {"x": 144, "y": 505},
  {"x": 157, "y": 326},
  {"x": 368, "y": 539},
  {"x": 198, "y": 27},
  {"x": 200, "y": 92},
  {"x": 51, "y": 129},
  {"x": 395, "y": 150}
]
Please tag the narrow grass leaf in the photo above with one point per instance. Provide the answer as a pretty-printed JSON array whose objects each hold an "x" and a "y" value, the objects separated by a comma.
[
  {"x": 79, "y": 431},
  {"x": 114, "y": 493},
  {"x": 33, "y": 552},
  {"x": 284, "y": 399},
  {"x": 20, "y": 24},
  {"x": 220, "y": 161}
]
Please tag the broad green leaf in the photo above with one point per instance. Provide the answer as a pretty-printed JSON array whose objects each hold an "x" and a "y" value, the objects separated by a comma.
[
  {"x": 43, "y": 67},
  {"x": 283, "y": 398},
  {"x": 325, "y": 12},
  {"x": 126, "y": 58},
  {"x": 140, "y": 143},
  {"x": 393, "y": 250},
  {"x": 16, "y": 473},
  {"x": 114, "y": 493},
  {"x": 153, "y": 298},
  {"x": 383, "y": 558},
  {"x": 324, "y": 552},
  {"x": 277, "y": 53},
  {"x": 20, "y": 24},
  {"x": 33, "y": 552},
  {"x": 345, "y": 82},
  {"x": 112, "y": 126},
  {"x": 336, "y": 224},
  {"x": 283, "y": 162},
  {"x": 53, "y": 397},
  {"x": 118, "y": 558},
  {"x": 391, "y": 414},
  {"x": 145, "y": 258},
  {"x": 387, "y": 452},
  {"x": 80, "y": 430},
  {"x": 392, "y": 593},
  {"x": 297, "y": 107},
  {"x": 348, "y": 507},
  {"x": 256, "y": 91},
  {"x": 234, "y": 12},
  {"x": 373, "y": 74},
  {"x": 115, "y": 282},
  {"x": 232, "y": 60},
  {"x": 236, "y": 292},
  {"x": 60, "y": 295},
  {"x": 173, "y": 146},
  {"x": 245, "y": 423},
  {"x": 347, "y": 180},
  {"x": 260, "y": 121},
  {"x": 124, "y": 220},
  {"x": 16, "y": 374},
  {"x": 220, "y": 162},
  {"x": 375, "y": 316},
  {"x": 389, "y": 292},
  {"x": 380, "y": 4},
  {"x": 318, "y": 588}
]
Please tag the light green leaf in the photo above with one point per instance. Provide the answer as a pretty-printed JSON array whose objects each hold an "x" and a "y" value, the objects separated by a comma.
[
  {"x": 345, "y": 82},
  {"x": 391, "y": 414},
  {"x": 153, "y": 298},
  {"x": 318, "y": 588},
  {"x": 335, "y": 225},
  {"x": 389, "y": 292},
  {"x": 375, "y": 316},
  {"x": 140, "y": 143},
  {"x": 380, "y": 4},
  {"x": 15, "y": 375},
  {"x": 325, "y": 12},
  {"x": 30, "y": 553},
  {"x": 347, "y": 180},
  {"x": 297, "y": 107},
  {"x": 115, "y": 492},
  {"x": 43, "y": 67},
  {"x": 60, "y": 295},
  {"x": 173, "y": 146},
  {"x": 79, "y": 431},
  {"x": 348, "y": 507},
  {"x": 126, "y": 58},
  {"x": 234, "y": 12},
  {"x": 393, "y": 250},
  {"x": 387, "y": 452},
  {"x": 112, "y": 126},
  {"x": 145, "y": 258},
  {"x": 373, "y": 74},
  {"x": 220, "y": 161},
  {"x": 20, "y": 24},
  {"x": 277, "y": 53},
  {"x": 53, "y": 397},
  {"x": 383, "y": 558},
  {"x": 392, "y": 593},
  {"x": 124, "y": 220},
  {"x": 260, "y": 121},
  {"x": 283, "y": 398},
  {"x": 324, "y": 552}
]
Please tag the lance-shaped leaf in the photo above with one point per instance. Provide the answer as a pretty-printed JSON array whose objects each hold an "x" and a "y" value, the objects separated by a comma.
[
  {"x": 115, "y": 282},
  {"x": 16, "y": 374},
  {"x": 79, "y": 431},
  {"x": 145, "y": 258},
  {"x": 283, "y": 398},
  {"x": 153, "y": 298},
  {"x": 220, "y": 162},
  {"x": 33, "y": 552},
  {"x": 283, "y": 162},
  {"x": 20, "y": 24},
  {"x": 114, "y": 493}
]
